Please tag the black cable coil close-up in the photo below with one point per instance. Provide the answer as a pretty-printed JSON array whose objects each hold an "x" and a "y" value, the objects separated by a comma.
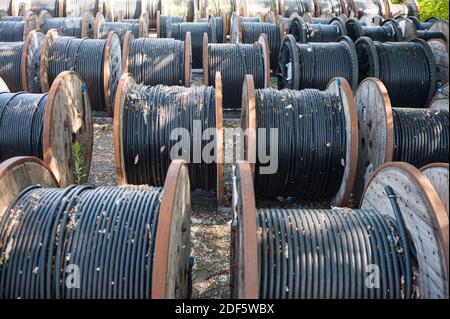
[
  {"x": 12, "y": 31},
  {"x": 311, "y": 143},
  {"x": 234, "y": 61},
  {"x": 421, "y": 136},
  {"x": 106, "y": 236},
  {"x": 84, "y": 56},
  {"x": 307, "y": 32},
  {"x": 21, "y": 123},
  {"x": 251, "y": 32},
  {"x": 313, "y": 65},
  {"x": 165, "y": 24},
  {"x": 157, "y": 61},
  {"x": 388, "y": 31},
  {"x": 330, "y": 254},
  {"x": 407, "y": 69},
  {"x": 71, "y": 27},
  {"x": 10, "y": 64},
  {"x": 150, "y": 116}
]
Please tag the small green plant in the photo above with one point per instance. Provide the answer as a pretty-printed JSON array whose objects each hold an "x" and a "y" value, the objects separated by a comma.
[
  {"x": 431, "y": 8},
  {"x": 77, "y": 154}
]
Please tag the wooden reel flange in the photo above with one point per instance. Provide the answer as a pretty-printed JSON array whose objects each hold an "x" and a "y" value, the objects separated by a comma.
[
  {"x": 29, "y": 66},
  {"x": 437, "y": 174}
]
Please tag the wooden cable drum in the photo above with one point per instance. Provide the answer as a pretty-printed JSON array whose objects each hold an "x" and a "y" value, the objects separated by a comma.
[
  {"x": 16, "y": 29},
  {"x": 54, "y": 7},
  {"x": 306, "y": 32},
  {"x": 387, "y": 31},
  {"x": 197, "y": 30},
  {"x": 326, "y": 8},
  {"x": 97, "y": 61},
  {"x": 360, "y": 8},
  {"x": 221, "y": 33},
  {"x": 407, "y": 69},
  {"x": 77, "y": 8},
  {"x": 236, "y": 21},
  {"x": 50, "y": 126},
  {"x": 102, "y": 29},
  {"x": 251, "y": 8},
  {"x": 126, "y": 9},
  {"x": 164, "y": 24},
  {"x": 151, "y": 7},
  {"x": 300, "y": 7},
  {"x": 409, "y": 8},
  {"x": 184, "y": 8},
  {"x": 437, "y": 174},
  {"x": 313, "y": 65},
  {"x": 373, "y": 21},
  {"x": 19, "y": 63},
  {"x": 189, "y": 112},
  {"x": 297, "y": 253},
  {"x": 218, "y": 8},
  {"x": 126, "y": 242},
  {"x": 157, "y": 61},
  {"x": 388, "y": 133},
  {"x": 249, "y": 32},
  {"x": 234, "y": 61},
  {"x": 314, "y": 162},
  {"x": 441, "y": 26},
  {"x": 440, "y": 53},
  {"x": 78, "y": 27},
  {"x": 309, "y": 18}
]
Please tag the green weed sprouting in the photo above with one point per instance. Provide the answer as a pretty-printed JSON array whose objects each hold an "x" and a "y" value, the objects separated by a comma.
[{"x": 77, "y": 154}]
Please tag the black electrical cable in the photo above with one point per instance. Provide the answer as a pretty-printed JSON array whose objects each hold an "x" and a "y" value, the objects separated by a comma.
[
  {"x": 10, "y": 64},
  {"x": 157, "y": 61},
  {"x": 220, "y": 28},
  {"x": 329, "y": 254},
  {"x": 108, "y": 233},
  {"x": 421, "y": 136},
  {"x": 388, "y": 31},
  {"x": 313, "y": 65},
  {"x": 165, "y": 24},
  {"x": 84, "y": 56},
  {"x": 70, "y": 27},
  {"x": 12, "y": 31},
  {"x": 21, "y": 123},
  {"x": 251, "y": 31},
  {"x": 428, "y": 35},
  {"x": 423, "y": 25},
  {"x": 234, "y": 61},
  {"x": 151, "y": 115},
  {"x": 306, "y": 32},
  {"x": 407, "y": 69},
  {"x": 120, "y": 28},
  {"x": 311, "y": 143}
]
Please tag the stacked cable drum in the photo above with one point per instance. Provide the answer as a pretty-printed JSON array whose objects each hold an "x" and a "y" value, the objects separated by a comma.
[
  {"x": 186, "y": 8},
  {"x": 77, "y": 8},
  {"x": 221, "y": 34},
  {"x": 97, "y": 61},
  {"x": 249, "y": 32},
  {"x": 418, "y": 136},
  {"x": 405, "y": 9},
  {"x": 54, "y": 7},
  {"x": 289, "y": 7},
  {"x": 102, "y": 29},
  {"x": 234, "y": 61},
  {"x": 331, "y": 8},
  {"x": 407, "y": 69},
  {"x": 48, "y": 126},
  {"x": 307, "y": 158},
  {"x": 19, "y": 63},
  {"x": 217, "y": 8},
  {"x": 297, "y": 253},
  {"x": 313, "y": 65},
  {"x": 361, "y": 8},
  {"x": 306, "y": 32},
  {"x": 155, "y": 125},
  {"x": 158, "y": 61},
  {"x": 130, "y": 242},
  {"x": 388, "y": 31},
  {"x": 126, "y": 9},
  {"x": 78, "y": 27},
  {"x": 14, "y": 29},
  {"x": 164, "y": 24}
]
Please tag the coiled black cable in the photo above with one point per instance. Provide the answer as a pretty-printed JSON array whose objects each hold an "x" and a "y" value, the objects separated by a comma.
[
  {"x": 71, "y": 27},
  {"x": 108, "y": 233},
  {"x": 289, "y": 7},
  {"x": 428, "y": 35},
  {"x": 407, "y": 69},
  {"x": 120, "y": 28},
  {"x": 421, "y": 136},
  {"x": 251, "y": 32},
  {"x": 12, "y": 31},
  {"x": 423, "y": 25},
  {"x": 234, "y": 61},
  {"x": 313, "y": 65},
  {"x": 306, "y": 32},
  {"x": 157, "y": 61},
  {"x": 311, "y": 143},
  {"x": 331, "y": 254},
  {"x": 84, "y": 56},
  {"x": 388, "y": 31},
  {"x": 165, "y": 24},
  {"x": 10, "y": 64},
  {"x": 220, "y": 28},
  {"x": 150, "y": 116},
  {"x": 21, "y": 123}
]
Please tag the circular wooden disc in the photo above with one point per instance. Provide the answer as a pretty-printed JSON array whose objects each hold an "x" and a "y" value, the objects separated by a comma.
[
  {"x": 244, "y": 244},
  {"x": 170, "y": 278},
  {"x": 49, "y": 38},
  {"x": 307, "y": 17},
  {"x": 126, "y": 81},
  {"x": 87, "y": 25},
  {"x": 99, "y": 20},
  {"x": 407, "y": 27},
  {"x": 376, "y": 131},
  {"x": 205, "y": 59},
  {"x": 143, "y": 25},
  {"x": 340, "y": 87},
  {"x": 437, "y": 174},
  {"x": 3, "y": 86},
  {"x": 30, "y": 71},
  {"x": 248, "y": 120},
  {"x": 30, "y": 24},
  {"x": 128, "y": 39},
  {"x": 387, "y": 9},
  {"x": 264, "y": 42},
  {"x": 219, "y": 140},
  {"x": 18, "y": 173},
  {"x": 112, "y": 70},
  {"x": 440, "y": 52},
  {"x": 67, "y": 120},
  {"x": 282, "y": 25},
  {"x": 158, "y": 24},
  {"x": 425, "y": 219},
  {"x": 440, "y": 100},
  {"x": 187, "y": 59},
  {"x": 441, "y": 25},
  {"x": 44, "y": 15}
]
